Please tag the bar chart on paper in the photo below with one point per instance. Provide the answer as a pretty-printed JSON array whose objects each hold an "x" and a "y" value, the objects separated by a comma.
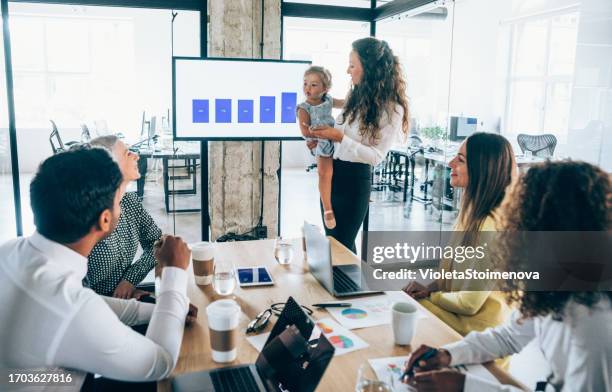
[{"x": 227, "y": 110}]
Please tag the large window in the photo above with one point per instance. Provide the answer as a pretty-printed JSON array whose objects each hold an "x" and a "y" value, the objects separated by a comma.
[
  {"x": 541, "y": 75},
  {"x": 109, "y": 68}
]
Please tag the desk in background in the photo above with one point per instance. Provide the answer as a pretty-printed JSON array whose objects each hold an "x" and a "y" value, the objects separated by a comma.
[
  {"x": 190, "y": 154},
  {"x": 295, "y": 280}
]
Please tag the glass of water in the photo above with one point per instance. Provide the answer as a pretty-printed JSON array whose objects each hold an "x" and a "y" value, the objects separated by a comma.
[
  {"x": 283, "y": 250},
  {"x": 224, "y": 277},
  {"x": 367, "y": 381}
]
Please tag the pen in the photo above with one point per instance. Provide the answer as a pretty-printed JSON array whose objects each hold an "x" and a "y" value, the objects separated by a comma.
[
  {"x": 425, "y": 356},
  {"x": 334, "y": 305}
]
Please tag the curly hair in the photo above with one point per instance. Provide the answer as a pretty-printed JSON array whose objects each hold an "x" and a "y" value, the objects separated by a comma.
[
  {"x": 382, "y": 86},
  {"x": 553, "y": 196}
]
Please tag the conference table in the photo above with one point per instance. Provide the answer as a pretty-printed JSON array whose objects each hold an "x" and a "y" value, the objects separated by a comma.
[{"x": 295, "y": 280}]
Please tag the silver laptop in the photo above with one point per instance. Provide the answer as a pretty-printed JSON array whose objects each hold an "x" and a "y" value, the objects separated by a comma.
[{"x": 339, "y": 280}]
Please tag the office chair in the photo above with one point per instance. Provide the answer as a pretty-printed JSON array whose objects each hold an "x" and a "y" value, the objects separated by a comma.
[
  {"x": 85, "y": 134},
  {"x": 55, "y": 139},
  {"x": 540, "y": 145}
]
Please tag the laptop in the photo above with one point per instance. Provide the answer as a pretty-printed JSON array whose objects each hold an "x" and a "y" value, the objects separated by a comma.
[
  {"x": 289, "y": 361},
  {"x": 338, "y": 280}
]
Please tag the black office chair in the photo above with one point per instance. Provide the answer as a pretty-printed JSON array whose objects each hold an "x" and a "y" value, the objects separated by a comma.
[
  {"x": 55, "y": 139},
  {"x": 85, "y": 134},
  {"x": 540, "y": 145}
]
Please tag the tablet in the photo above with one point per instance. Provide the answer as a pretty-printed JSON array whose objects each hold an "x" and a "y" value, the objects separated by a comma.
[{"x": 256, "y": 276}]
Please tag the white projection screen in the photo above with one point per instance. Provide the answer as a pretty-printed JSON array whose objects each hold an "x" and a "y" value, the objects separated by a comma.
[{"x": 236, "y": 99}]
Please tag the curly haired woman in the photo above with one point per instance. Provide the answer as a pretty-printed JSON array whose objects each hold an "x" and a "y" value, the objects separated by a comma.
[
  {"x": 373, "y": 119},
  {"x": 570, "y": 328}
]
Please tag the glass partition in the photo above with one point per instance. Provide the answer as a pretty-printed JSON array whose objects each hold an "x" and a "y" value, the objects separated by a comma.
[
  {"x": 104, "y": 69},
  {"x": 326, "y": 43},
  {"x": 412, "y": 182}
]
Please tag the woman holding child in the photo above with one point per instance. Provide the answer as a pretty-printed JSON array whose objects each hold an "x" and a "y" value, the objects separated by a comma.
[{"x": 374, "y": 117}]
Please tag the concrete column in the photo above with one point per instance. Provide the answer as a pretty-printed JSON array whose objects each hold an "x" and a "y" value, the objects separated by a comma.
[{"x": 234, "y": 176}]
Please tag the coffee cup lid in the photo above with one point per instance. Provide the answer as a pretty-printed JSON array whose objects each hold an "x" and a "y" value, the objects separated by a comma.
[
  {"x": 222, "y": 307},
  {"x": 202, "y": 250}
]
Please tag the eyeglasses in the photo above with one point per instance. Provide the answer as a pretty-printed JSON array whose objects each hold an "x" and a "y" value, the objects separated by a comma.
[{"x": 262, "y": 319}]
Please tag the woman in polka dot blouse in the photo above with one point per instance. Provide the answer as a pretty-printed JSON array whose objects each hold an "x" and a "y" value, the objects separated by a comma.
[{"x": 110, "y": 269}]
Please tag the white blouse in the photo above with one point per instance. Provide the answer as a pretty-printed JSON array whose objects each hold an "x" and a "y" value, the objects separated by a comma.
[
  {"x": 354, "y": 148},
  {"x": 579, "y": 349}
]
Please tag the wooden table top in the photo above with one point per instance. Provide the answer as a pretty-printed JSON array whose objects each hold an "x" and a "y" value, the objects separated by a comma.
[{"x": 295, "y": 280}]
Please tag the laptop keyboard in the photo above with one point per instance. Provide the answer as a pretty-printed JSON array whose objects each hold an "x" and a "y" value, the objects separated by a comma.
[
  {"x": 236, "y": 379},
  {"x": 342, "y": 283}
]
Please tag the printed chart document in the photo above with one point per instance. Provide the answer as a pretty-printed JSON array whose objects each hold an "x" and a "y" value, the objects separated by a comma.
[
  {"x": 369, "y": 311},
  {"x": 343, "y": 340},
  {"x": 390, "y": 369}
]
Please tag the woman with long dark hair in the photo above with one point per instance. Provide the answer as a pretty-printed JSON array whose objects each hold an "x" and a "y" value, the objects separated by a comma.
[
  {"x": 483, "y": 168},
  {"x": 570, "y": 328},
  {"x": 374, "y": 118}
]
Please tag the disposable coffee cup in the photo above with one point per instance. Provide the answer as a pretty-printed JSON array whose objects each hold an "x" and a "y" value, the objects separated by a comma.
[
  {"x": 203, "y": 256},
  {"x": 223, "y": 317},
  {"x": 403, "y": 320}
]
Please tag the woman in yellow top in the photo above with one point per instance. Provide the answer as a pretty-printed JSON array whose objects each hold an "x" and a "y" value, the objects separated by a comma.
[{"x": 484, "y": 167}]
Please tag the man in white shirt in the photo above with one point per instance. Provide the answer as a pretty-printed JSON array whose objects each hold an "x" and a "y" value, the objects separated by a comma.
[{"x": 47, "y": 318}]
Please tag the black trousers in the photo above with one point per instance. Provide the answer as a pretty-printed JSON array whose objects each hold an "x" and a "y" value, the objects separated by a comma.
[{"x": 350, "y": 196}]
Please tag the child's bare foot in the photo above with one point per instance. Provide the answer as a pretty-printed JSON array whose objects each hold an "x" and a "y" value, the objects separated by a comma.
[{"x": 329, "y": 219}]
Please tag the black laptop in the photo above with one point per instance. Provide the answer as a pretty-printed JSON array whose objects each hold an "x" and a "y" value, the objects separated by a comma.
[
  {"x": 288, "y": 361},
  {"x": 340, "y": 280}
]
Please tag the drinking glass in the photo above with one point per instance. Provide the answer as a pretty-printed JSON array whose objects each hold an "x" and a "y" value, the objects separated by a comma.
[
  {"x": 367, "y": 382},
  {"x": 224, "y": 278},
  {"x": 283, "y": 250}
]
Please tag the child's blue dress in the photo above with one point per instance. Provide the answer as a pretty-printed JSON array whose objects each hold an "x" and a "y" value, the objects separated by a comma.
[{"x": 321, "y": 115}]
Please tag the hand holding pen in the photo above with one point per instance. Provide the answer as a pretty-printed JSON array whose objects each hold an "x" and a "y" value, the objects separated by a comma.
[{"x": 425, "y": 358}]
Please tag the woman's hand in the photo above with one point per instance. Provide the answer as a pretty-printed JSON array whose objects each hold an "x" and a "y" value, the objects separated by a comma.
[
  {"x": 441, "y": 359},
  {"x": 416, "y": 290},
  {"x": 325, "y": 132},
  {"x": 123, "y": 290}
]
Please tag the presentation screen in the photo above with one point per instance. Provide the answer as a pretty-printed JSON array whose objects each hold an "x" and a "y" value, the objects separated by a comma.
[{"x": 225, "y": 99}]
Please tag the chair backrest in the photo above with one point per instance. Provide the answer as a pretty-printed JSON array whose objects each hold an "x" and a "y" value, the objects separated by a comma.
[
  {"x": 540, "y": 145},
  {"x": 85, "y": 134},
  {"x": 54, "y": 138}
]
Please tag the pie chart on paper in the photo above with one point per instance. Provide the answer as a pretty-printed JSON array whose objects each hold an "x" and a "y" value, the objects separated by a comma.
[
  {"x": 341, "y": 341},
  {"x": 354, "y": 314}
]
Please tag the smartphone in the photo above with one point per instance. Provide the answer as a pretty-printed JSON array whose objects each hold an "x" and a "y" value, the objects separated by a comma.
[{"x": 256, "y": 276}]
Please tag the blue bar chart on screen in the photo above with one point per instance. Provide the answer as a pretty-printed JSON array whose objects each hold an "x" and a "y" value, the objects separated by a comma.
[
  {"x": 245, "y": 110},
  {"x": 200, "y": 110},
  {"x": 223, "y": 110},
  {"x": 288, "y": 101},
  {"x": 266, "y": 109},
  {"x": 260, "y": 103}
]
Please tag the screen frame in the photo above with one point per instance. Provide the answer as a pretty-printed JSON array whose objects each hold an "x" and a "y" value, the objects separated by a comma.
[{"x": 206, "y": 139}]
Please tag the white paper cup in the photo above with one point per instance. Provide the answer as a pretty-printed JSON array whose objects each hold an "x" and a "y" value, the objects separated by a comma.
[
  {"x": 223, "y": 318},
  {"x": 203, "y": 258},
  {"x": 403, "y": 320}
]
